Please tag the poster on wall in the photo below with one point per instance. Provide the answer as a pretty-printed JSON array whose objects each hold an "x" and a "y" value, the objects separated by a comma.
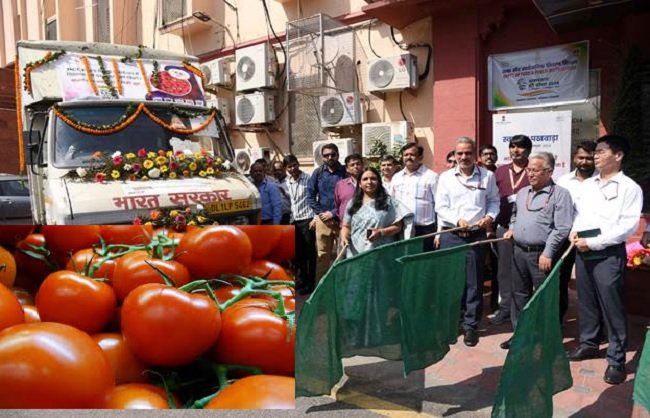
[
  {"x": 82, "y": 77},
  {"x": 549, "y": 132},
  {"x": 539, "y": 77}
]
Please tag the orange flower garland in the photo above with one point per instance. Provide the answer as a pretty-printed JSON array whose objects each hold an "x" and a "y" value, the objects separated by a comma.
[
  {"x": 95, "y": 131},
  {"x": 182, "y": 131},
  {"x": 144, "y": 76},
  {"x": 19, "y": 119},
  {"x": 195, "y": 70},
  {"x": 30, "y": 68},
  {"x": 89, "y": 75},
  {"x": 118, "y": 79}
]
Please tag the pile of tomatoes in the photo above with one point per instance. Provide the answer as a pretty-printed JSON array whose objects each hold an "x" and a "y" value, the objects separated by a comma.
[{"x": 131, "y": 317}]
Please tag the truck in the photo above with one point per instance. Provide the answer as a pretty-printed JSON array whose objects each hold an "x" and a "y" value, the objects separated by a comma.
[{"x": 112, "y": 133}]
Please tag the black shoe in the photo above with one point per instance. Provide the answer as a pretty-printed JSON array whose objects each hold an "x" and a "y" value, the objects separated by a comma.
[
  {"x": 615, "y": 375},
  {"x": 471, "y": 337},
  {"x": 500, "y": 318},
  {"x": 583, "y": 353},
  {"x": 506, "y": 344}
]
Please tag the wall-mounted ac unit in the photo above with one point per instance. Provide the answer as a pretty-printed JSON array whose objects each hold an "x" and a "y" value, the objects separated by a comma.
[
  {"x": 243, "y": 160},
  {"x": 341, "y": 109},
  {"x": 254, "y": 108},
  {"x": 255, "y": 67},
  {"x": 222, "y": 105},
  {"x": 217, "y": 72},
  {"x": 392, "y": 134},
  {"x": 345, "y": 146},
  {"x": 393, "y": 73},
  {"x": 257, "y": 153}
]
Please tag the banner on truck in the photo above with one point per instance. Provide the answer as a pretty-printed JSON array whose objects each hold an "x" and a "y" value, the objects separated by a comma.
[
  {"x": 539, "y": 77},
  {"x": 134, "y": 80},
  {"x": 549, "y": 132}
]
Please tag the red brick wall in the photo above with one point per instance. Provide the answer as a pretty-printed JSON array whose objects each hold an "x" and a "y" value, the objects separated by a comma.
[{"x": 8, "y": 137}]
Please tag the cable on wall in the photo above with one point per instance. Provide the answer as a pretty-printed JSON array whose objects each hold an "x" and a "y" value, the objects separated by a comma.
[
  {"x": 407, "y": 47},
  {"x": 284, "y": 52},
  {"x": 369, "y": 42}
]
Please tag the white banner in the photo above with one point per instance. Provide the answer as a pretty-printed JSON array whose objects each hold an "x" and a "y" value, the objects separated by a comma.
[
  {"x": 174, "y": 83},
  {"x": 549, "y": 131},
  {"x": 539, "y": 77}
]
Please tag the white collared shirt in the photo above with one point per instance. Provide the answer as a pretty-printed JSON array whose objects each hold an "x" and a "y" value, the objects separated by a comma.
[
  {"x": 613, "y": 206},
  {"x": 573, "y": 183},
  {"x": 417, "y": 192},
  {"x": 469, "y": 198},
  {"x": 297, "y": 189}
]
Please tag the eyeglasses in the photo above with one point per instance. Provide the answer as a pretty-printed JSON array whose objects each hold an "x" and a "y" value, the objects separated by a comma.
[
  {"x": 485, "y": 154},
  {"x": 602, "y": 151},
  {"x": 548, "y": 197},
  {"x": 535, "y": 171},
  {"x": 330, "y": 155}
]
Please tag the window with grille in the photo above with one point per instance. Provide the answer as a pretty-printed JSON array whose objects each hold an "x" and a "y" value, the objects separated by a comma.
[
  {"x": 305, "y": 124},
  {"x": 50, "y": 30},
  {"x": 102, "y": 21},
  {"x": 172, "y": 10}
]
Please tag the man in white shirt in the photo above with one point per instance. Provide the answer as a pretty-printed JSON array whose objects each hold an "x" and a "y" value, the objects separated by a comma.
[
  {"x": 415, "y": 188},
  {"x": 467, "y": 196},
  {"x": 583, "y": 160},
  {"x": 607, "y": 214}
]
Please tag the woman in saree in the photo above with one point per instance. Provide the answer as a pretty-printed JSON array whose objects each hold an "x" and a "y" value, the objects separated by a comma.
[{"x": 372, "y": 218}]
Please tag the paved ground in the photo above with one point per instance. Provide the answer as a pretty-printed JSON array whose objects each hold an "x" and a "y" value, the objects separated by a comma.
[{"x": 464, "y": 383}]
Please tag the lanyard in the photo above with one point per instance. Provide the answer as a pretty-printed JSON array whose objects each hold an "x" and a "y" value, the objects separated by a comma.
[{"x": 512, "y": 178}]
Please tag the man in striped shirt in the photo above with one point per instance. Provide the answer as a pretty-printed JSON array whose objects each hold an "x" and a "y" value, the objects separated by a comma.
[
  {"x": 415, "y": 187},
  {"x": 302, "y": 218}
]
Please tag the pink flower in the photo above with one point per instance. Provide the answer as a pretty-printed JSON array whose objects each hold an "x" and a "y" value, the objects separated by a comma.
[
  {"x": 137, "y": 221},
  {"x": 142, "y": 153},
  {"x": 210, "y": 162},
  {"x": 180, "y": 219},
  {"x": 100, "y": 177},
  {"x": 136, "y": 167},
  {"x": 173, "y": 166},
  {"x": 118, "y": 160}
]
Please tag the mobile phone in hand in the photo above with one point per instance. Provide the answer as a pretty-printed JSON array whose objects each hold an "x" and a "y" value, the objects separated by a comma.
[{"x": 368, "y": 233}]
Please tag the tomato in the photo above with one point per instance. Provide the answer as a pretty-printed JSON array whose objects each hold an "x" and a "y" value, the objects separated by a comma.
[
  {"x": 24, "y": 297},
  {"x": 263, "y": 238},
  {"x": 31, "y": 314},
  {"x": 70, "y": 298},
  {"x": 137, "y": 396},
  {"x": 80, "y": 260},
  {"x": 286, "y": 247},
  {"x": 32, "y": 270},
  {"x": 255, "y": 336},
  {"x": 226, "y": 292},
  {"x": 257, "y": 392},
  {"x": 126, "y": 234},
  {"x": 7, "y": 268},
  {"x": 214, "y": 250},
  {"x": 11, "y": 312},
  {"x": 65, "y": 239},
  {"x": 127, "y": 367},
  {"x": 132, "y": 270},
  {"x": 165, "y": 326},
  {"x": 11, "y": 234},
  {"x": 48, "y": 365},
  {"x": 261, "y": 268}
]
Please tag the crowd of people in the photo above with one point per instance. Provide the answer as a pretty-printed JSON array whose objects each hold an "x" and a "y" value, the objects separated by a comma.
[{"x": 346, "y": 208}]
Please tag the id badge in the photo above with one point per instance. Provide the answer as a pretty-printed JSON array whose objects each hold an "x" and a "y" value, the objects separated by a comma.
[{"x": 512, "y": 198}]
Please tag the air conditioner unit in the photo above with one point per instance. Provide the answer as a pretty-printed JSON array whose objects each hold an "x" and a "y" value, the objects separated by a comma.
[
  {"x": 243, "y": 160},
  {"x": 392, "y": 134},
  {"x": 393, "y": 73},
  {"x": 222, "y": 105},
  {"x": 255, "y": 67},
  {"x": 257, "y": 153},
  {"x": 217, "y": 72},
  {"x": 254, "y": 108},
  {"x": 345, "y": 146},
  {"x": 341, "y": 109}
]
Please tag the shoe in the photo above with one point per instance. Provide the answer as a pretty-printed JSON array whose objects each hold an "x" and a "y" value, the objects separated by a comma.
[
  {"x": 615, "y": 375},
  {"x": 583, "y": 353},
  {"x": 506, "y": 344},
  {"x": 471, "y": 337},
  {"x": 500, "y": 318}
]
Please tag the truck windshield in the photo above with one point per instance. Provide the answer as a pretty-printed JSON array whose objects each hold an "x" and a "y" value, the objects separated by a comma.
[{"x": 73, "y": 148}]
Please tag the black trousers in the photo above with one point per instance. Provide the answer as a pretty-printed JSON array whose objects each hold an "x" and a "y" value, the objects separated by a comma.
[
  {"x": 601, "y": 277},
  {"x": 504, "y": 272},
  {"x": 526, "y": 279},
  {"x": 420, "y": 230},
  {"x": 305, "y": 252},
  {"x": 565, "y": 278}
]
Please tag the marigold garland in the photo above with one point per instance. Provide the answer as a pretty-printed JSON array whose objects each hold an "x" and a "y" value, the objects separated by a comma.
[
  {"x": 19, "y": 120},
  {"x": 195, "y": 70},
  {"x": 106, "y": 77},
  {"x": 125, "y": 120},
  {"x": 118, "y": 78},
  {"x": 89, "y": 75},
  {"x": 182, "y": 131},
  {"x": 144, "y": 76}
]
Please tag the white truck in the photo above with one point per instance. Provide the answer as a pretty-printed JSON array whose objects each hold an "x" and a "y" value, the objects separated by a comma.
[{"x": 112, "y": 132}]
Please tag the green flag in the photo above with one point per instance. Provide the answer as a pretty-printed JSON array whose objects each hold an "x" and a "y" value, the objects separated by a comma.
[
  {"x": 432, "y": 289},
  {"x": 642, "y": 380},
  {"x": 355, "y": 310},
  {"x": 536, "y": 367}
]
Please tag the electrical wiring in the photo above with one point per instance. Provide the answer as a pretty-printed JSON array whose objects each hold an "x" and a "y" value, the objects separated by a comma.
[
  {"x": 284, "y": 52},
  {"x": 401, "y": 106},
  {"x": 369, "y": 42},
  {"x": 407, "y": 47}
]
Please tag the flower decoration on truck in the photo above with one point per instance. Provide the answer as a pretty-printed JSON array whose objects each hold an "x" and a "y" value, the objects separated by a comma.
[
  {"x": 145, "y": 165},
  {"x": 638, "y": 257},
  {"x": 178, "y": 218},
  {"x": 31, "y": 66}
]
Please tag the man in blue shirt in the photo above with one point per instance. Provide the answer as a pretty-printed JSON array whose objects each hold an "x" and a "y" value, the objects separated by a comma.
[
  {"x": 271, "y": 198},
  {"x": 320, "y": 196}
]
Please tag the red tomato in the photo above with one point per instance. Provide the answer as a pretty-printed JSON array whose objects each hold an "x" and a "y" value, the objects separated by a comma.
[
  {"x": 214, "y": 250},
  {"x": 48, "y": 365},
  {"x": 24, "y": 297},
  {"x": 31, "y": 314},
  {"x": 263, "y": 238},
  {"x": 126, "y": 234},
  {"x": 286, "y": 247},
  {"x": 132, "y": 270},
  {"x": 257, "y": 392},
  {"x": 137, "y": 396},
  {"x": 80, "y": 260},
  {"x": 11, "y": 312},
  {"x": 70, "y": 298},
  {"x": 255, "y": 336},
  {"x": 11, "y": 234},
  {"x": 261, "y": 268},
  {"x": 127, "y": 367},
  {"x": 165, "y": 326},
  {"x": 226, "y": 292},
  {"x": 31, "y": 271},
  {"x": 63, "y": 240}
]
